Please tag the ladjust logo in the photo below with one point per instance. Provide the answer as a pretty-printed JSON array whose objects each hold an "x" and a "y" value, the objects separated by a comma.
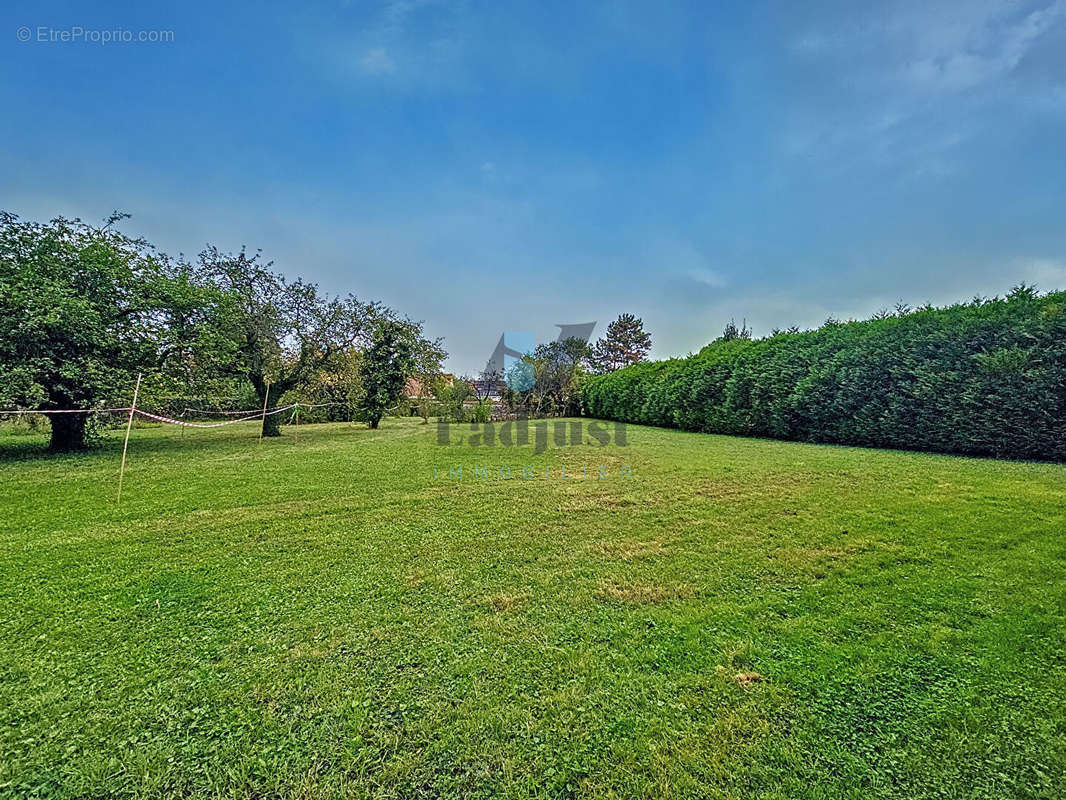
[
  {"x": 522, "y": 432},
  {"x": 508, "y": 358},
  {"x": 513, "y": 367}
]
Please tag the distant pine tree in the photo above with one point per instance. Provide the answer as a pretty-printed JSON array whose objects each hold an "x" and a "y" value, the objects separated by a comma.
[
  {"x": 626, "y": 342},
  {"x": 732, "y": 332}
]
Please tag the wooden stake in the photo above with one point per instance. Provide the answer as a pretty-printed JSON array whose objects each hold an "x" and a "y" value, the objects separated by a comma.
[
  {"x": 266, "y": 395},
  {"x": 296, "y": 430},
  {"x": 126, "y": 444}
]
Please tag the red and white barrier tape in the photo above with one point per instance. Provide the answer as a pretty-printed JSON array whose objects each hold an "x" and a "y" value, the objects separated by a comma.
[
  {"x": 207, "y": 413},
  {"x": 248, "y": 415},
  {"x": 203, "y": 412},
  {"x": 172, "y": 421},
  {"x": 68, "y": 411}
]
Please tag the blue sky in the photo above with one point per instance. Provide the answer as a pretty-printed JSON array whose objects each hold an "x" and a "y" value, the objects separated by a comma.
[{"x": 504, "y": 165}]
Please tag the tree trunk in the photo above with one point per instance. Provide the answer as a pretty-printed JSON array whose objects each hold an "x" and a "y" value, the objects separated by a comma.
[
  {"x": 268, "y": 395},
  {"x": 374, "y": 422},
  {"x": 272, "y": 425},
  {"x": 68, "y": 433}
]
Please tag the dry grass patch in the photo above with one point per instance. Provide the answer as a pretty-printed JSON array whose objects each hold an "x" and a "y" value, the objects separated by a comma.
[
  {"x": 640, "y": 593},
  {"x": 504, "y": 601},
  {"x": 628, "y": 549},
  {"x": 821, "y": 559},
  {"x": 746, "y": 679},
  {"x": 602, "y": 502},
  {"x": 416, "y": 578}
]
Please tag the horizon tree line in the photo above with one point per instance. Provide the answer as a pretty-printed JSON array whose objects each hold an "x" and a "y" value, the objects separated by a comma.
[{"x": 85, "y": 308}]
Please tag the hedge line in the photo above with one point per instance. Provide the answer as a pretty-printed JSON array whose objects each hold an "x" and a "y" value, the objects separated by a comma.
[{"x": 984, "y": 378}]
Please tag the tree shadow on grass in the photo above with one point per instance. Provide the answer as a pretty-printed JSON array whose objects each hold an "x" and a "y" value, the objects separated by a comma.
[
  {"x": 18, "y": 448},
  {"x": 23, "y": 446}
]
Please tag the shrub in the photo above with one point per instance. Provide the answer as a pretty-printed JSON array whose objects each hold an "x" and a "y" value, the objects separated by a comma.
[{"x": 983, "y": 378}]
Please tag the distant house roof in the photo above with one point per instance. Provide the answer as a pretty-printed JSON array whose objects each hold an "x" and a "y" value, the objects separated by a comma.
[
  {"x": 413, "y": 388},
  {"x": 488, "y": 387}
]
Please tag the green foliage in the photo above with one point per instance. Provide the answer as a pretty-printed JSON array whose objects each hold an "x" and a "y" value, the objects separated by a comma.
[
  {"x": 452, "y": 399},
  {"x": 625, "y": 342},
  {"x": 84, "y": 308},
  {"x": 481, "y": 411},
  {"x": 285, "y": 333},
  {"x": 429, "y": 355},
  {"x": 557, "y": 370},
  {"x": 733, "y": 332},
  {"x": 385, "y": 367},
  {"x": 984, "y": 378},
  {"x": 337, "y": 383}
]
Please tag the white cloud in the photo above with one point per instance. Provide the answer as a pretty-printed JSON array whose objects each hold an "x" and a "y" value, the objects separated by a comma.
[
  {"x": 377, "y": 61},
  {"x": 414, "y": 43},
  {"x": 987, "y": 46},
  {"x": 1046, "y": 273},
  {"x": 907, "y": 85},
  {"x": 707, "y": 277}
]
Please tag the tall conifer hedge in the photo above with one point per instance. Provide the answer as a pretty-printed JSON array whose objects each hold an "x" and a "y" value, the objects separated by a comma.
[{"x": 984, "y": 378}]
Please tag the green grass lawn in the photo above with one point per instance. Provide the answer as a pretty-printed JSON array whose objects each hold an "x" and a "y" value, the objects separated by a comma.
[{"x": 738, "y": 618}]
